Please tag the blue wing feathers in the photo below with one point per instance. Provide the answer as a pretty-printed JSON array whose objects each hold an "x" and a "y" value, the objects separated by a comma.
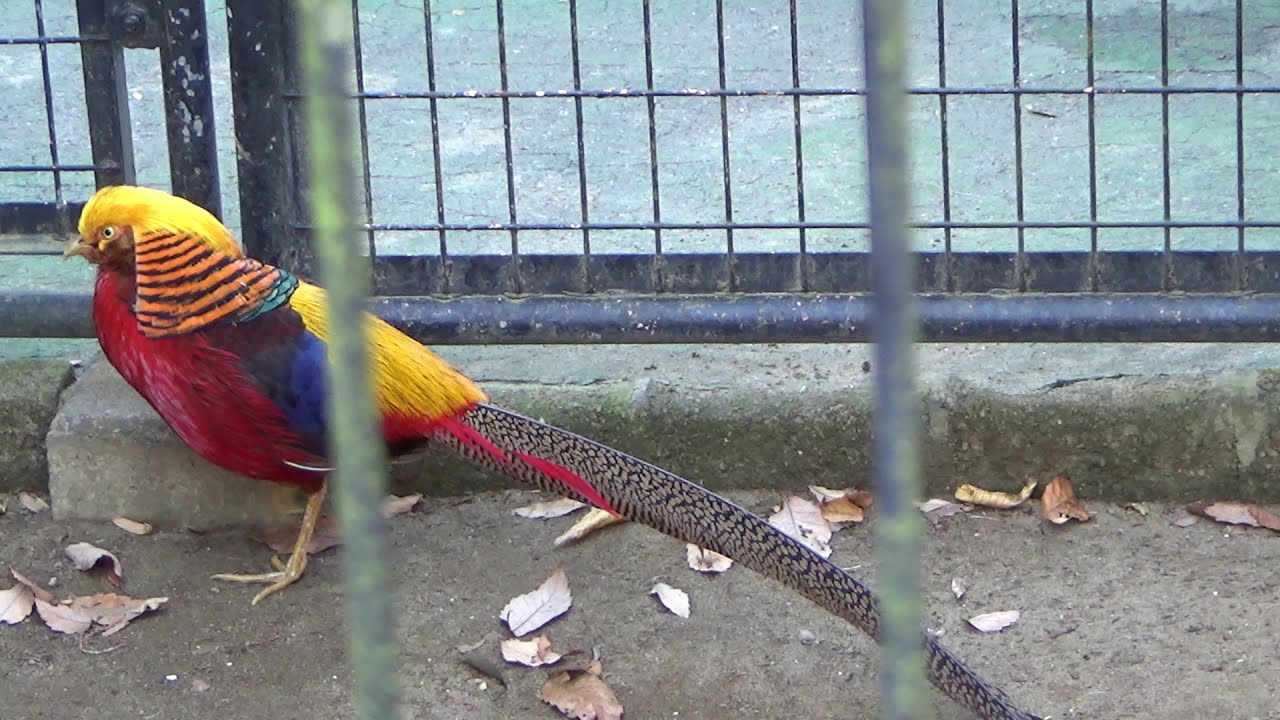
[
  {"x": 304, "y": 403},
  {"x": 286, "y": 363}
]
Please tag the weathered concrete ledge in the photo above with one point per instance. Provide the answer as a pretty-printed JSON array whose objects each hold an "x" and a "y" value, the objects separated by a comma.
[
  {"x": 756, "y": 417},
  {"x": 28, "y": 400}
]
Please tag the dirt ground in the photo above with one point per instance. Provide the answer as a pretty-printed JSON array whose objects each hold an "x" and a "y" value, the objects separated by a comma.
[{"x": 1124, "y": 617}]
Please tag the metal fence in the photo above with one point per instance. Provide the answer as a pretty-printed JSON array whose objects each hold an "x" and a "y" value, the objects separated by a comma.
[
  {"x": 659, "y": 172},
  {"x": 104, "y": 135}
]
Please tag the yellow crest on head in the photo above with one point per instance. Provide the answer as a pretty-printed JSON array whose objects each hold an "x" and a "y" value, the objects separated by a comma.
[{"x": 148, "y": 211}]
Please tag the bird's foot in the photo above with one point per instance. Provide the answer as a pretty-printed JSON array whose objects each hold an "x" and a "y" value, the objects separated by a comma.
[
  {"x": 288, "y": 573},
  {"x": 285, "y": 575}
]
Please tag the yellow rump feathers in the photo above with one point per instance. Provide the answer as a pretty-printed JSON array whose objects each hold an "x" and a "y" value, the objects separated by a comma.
[{"x": 411, "y": 380}]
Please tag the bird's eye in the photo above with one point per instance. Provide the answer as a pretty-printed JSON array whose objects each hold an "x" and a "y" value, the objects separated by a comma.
[{"x": 108, "y": 232}]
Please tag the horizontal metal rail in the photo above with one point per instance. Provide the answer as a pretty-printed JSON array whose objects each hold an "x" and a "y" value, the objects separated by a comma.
[
  {"x": 807, "y": 318},
  {"x": 699, "y": 92}
]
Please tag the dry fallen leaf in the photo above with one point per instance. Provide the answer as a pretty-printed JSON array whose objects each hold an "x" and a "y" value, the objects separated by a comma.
[
  {"x": 935, "y": 509},
  {"x": 86, "y": 557},
  {"x": 1058, "y": 504},
  {"x": 530, "y": 611},
  {"x": 587, "y": 524},
  {"x": 16, "y": 604},
  {"x": 995, "y": 621},
  {"x": 1265, "y": 518},
  {"x": 36, "y": 589},
  {"x": 32, "y": 503},
  {"x": 584, "y": 697},
  {"x": 533, "y": 652},
  {"x": 1186, "y": 521},
  {"x": 995, "y": 499},
  {"x": 393, "y": 505},
  {"x": 802, "y": 520},
  {"x": 549, "y": 508},
  {"x": 1237, "y": 513},
  {"x": 115, "y": 611},
  {"x": 63, "y": 618},
  {"x": 1140, "y": 508},
  {"x": 839, "y": 512},
  {"x": 109, "y": 610},
  {"x": 823, "y": 494},
  {"x": 842, "y": 506},
  {"x": 958, "y": 588},
  {"x": 936, "y": 504},
  {"x": 326, "y": 535},
  {"x": 132, "y": 526},
  {"x": 673, "y": 599},
  {"x": 706, "y": 561}
]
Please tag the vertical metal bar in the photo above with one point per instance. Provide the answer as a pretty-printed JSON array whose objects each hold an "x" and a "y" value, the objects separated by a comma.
[
  {"x": 1091, "y": 98},
  {"x": 260, "y": 47},
  {"x": 659, "y": 274},
  {"x": 897, "y": 470},
  {"x": 188, "y": 102},
  {"x": 947, "y": 232},
  {"x": 799, "y": 143},
  {"x": 583, "y": 205},
  {"x": 437, "y": 168},
  {"x": 359, "y": 453},
  {"x": 506, "y": 144},
  {"x": 106, "y": 98},
  {"x": 367, "y": 185},
  {"x": 1240, "y": 273},
  {"x": 724, "y": 146},
  {"x": 46, "y": 79},
  {"x": 1021, "y": 262},
  {"x": 1167, "y": 274}
]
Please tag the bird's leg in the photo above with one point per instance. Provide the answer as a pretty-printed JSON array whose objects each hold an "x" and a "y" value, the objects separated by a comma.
[{"x": 286, "y": 573}]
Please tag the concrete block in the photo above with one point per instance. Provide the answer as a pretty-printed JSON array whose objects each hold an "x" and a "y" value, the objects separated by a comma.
[
  {"x": 778, "y": 418},
  {"x": 28, "y": 400}
]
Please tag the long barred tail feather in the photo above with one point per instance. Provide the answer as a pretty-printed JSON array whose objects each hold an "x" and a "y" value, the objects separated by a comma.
[{"x": 562, "y": 462}]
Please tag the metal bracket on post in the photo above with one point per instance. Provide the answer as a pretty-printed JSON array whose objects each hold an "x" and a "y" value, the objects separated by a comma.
[
  {"x": 135, "y": 23},
  {"x": 105, "y": 95}
]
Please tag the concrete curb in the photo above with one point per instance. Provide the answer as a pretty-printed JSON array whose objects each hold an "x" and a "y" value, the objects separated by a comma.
[
  {"x": 1123, "y": 438},
  {"x": 29, "y": 392}
]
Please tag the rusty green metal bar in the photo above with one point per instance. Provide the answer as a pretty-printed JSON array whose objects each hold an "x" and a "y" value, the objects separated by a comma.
[
  {"x": 358, "y": 452},
  {"x": 896, "y": 451}
]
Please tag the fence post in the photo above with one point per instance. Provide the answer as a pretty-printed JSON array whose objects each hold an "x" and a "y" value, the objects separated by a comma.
[
  {"x": 358, "y": 450},
  {"x": 260, "y": 38},
  {"x": 106, "y": 102},
  {"x": 188, "y": 103}
]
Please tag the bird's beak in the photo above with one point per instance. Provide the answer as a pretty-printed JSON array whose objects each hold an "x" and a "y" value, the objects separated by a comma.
[{"x": 76, "y": 247}]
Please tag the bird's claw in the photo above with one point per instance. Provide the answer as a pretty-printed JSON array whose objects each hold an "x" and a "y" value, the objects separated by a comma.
[{"x": 284, "y": 576}]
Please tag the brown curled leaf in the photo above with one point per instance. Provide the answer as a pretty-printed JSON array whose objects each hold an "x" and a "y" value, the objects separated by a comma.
[
  {"x": 582, "y": 697},
  {"x": 86, "y": 556},
  {"x": 993, "y": 498},
  {"x": 1237, "y": 513},
  {"x": 1058, "y": 504}
]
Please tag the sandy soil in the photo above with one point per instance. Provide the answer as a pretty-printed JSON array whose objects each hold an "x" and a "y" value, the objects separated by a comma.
[{"x": 1125, "y": 617}]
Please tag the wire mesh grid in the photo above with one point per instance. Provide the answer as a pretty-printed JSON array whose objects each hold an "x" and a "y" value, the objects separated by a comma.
[
  {"x": 42, "y": 179},
  {"x": 71, "y": 89},
  {"x": 700, "y": 147}
]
